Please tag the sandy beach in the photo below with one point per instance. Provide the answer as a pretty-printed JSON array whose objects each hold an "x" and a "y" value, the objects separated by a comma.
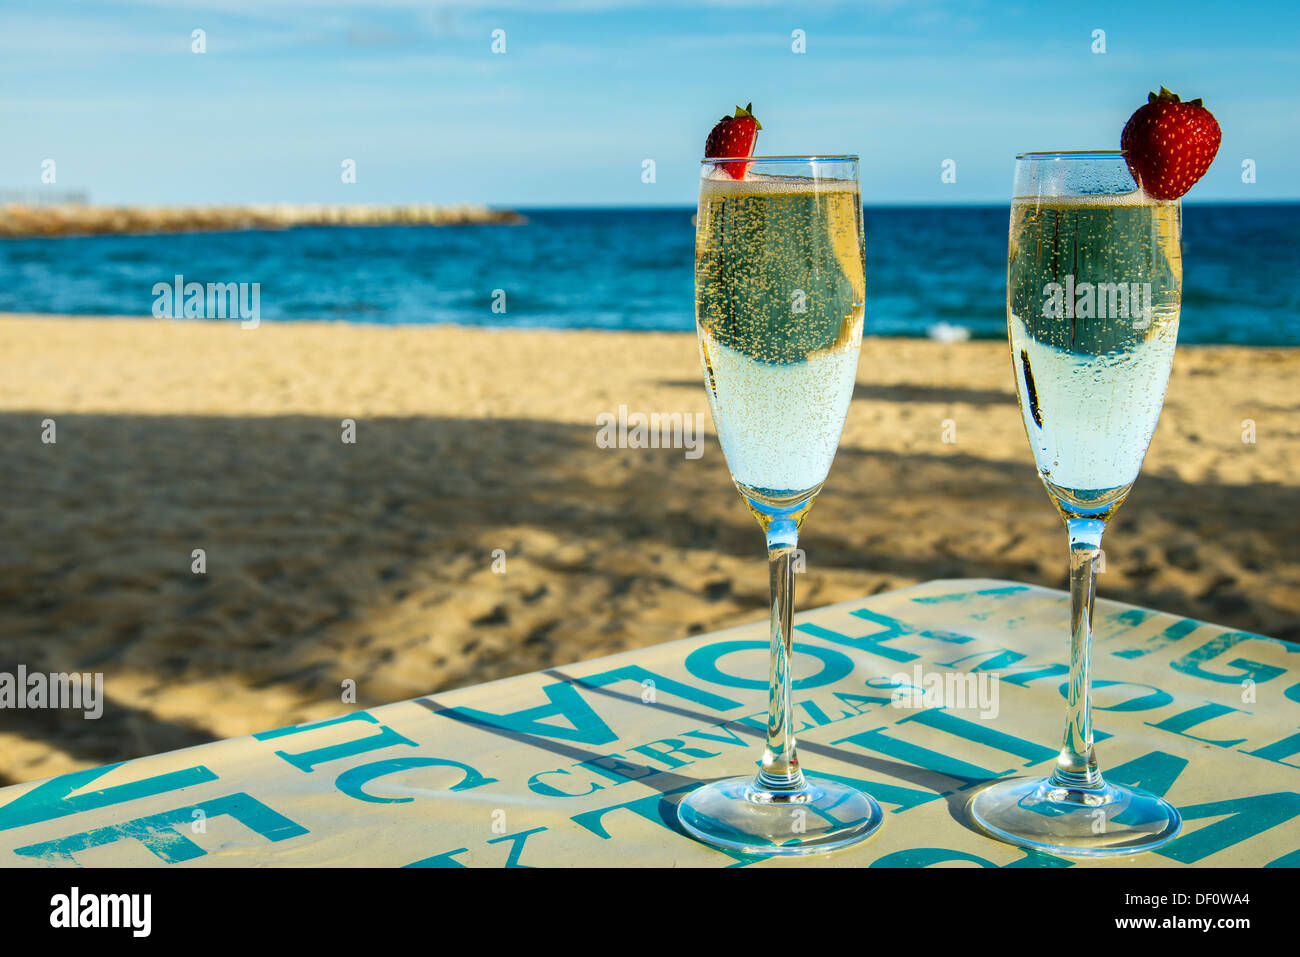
[{"x": 476, "y": 529}]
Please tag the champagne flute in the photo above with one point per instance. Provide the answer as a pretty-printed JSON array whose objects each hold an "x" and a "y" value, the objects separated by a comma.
[
  {"x": 1094, "y": 281},
  {"x": 779, "y": 299}
]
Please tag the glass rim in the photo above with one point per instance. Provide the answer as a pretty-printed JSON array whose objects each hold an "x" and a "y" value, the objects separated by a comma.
[
  {"x": 818, "y": 157},
  {"x": 1071, "y": 154}
]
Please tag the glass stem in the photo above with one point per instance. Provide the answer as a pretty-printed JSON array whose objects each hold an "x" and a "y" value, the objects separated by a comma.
[
  {"x": 1076, "y": 767},
  {"x": 780, "y": 770}
]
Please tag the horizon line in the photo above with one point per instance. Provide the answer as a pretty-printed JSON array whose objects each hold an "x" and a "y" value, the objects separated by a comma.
[{"x": 973, "y": 204}]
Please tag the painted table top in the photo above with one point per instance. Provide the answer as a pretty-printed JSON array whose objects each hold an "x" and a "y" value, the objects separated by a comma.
[{"x": 919, "y": 696}]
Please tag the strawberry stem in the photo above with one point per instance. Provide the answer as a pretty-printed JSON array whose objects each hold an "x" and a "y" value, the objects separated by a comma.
[
  {"x": 742, "y": 111},
  {"x": 1167, "y": 96}
]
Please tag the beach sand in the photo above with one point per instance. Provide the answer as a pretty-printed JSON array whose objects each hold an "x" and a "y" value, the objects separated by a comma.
[{"x": 374, "y": 561}]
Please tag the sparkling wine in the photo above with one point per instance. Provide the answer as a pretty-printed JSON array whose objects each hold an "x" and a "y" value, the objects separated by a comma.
[
  {"x": 780, "y": 290},
  {"x": 1094, "y": 287}
]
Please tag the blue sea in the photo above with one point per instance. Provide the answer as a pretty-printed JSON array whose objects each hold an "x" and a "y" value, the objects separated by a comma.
[{"x": 937, "y": 271}]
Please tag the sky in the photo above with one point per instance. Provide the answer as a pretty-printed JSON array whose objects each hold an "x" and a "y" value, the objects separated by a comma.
[{"x": 586, "y": 91}]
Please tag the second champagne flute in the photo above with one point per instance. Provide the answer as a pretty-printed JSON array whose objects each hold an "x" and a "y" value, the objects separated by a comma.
[
  {"x": 1094, "y": 285},
  {"x": 779, "y": 301}
]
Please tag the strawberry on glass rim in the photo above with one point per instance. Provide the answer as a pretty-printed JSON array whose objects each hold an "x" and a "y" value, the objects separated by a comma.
[
  {"x": 1169, "y": 144},
  {"x": 733, "y": 137}
]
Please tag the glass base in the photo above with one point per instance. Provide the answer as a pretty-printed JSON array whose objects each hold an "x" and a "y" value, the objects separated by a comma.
[
  {"x": 1082, "y": 822},
  {"x": 737, "y": 815}
]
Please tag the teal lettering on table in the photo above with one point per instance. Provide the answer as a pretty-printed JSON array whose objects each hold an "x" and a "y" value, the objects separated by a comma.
[
  {"x": 585, "y": 725},
  {"x": 516, "y": 845},
  {"x": 538, "y": 786},
  {"x": 662, "y": 685},
  {"x": 703, "y": 663},
  {"x": 909, "y": 753},
  {"x": 820, "y": 717},
  {"x": 1249, "y": 816},
  {"x": 1155, "y": 771},
  {"x": 655, "y": 808},
  {"x": 874, "y": 643},
  {"x": 613, "y": 767},
  {"x": 1175, "y": 632},
  {"x": 861, "y": 702},
  {"x": 1278, "y": 750},
  {"x": 672, "y": 753},
  {"x": 617, "y": 768},
  {"x": 1180, "y": 723},
  {"x": 929, "y": 856},
  {"x": 1154, "y": 698},
  {"x": 1118, "y": 622},
  {"x": 1002, "y": 591},
  {"x": 664, "y": 749},
  {"x": 994, "y": 660},
  {"x": 934, "y": 634},
  {"x": 1191, "y": 663},
  {"x": 903, "y": 799},
  {"x": 54, "y": 798},
  {"x": 352, "y": 782},
  {"x": 306, "y": 761},
  {"x": 982, "y": 733},
  {"x": 652, "y": 807},
  {"x": 758, "y": 721},
  {"x": 158, "y": 833},
  {"x": 445, "y": 859},
  {"x": 1286, "y": 860},
  {"x": 1023, "y": 678},
  {"x": 725, "y": 735},
  {"x": 448, "y": 858}
]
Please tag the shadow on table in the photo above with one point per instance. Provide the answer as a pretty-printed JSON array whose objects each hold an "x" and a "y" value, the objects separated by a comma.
[{"x": 674, "y": 786}]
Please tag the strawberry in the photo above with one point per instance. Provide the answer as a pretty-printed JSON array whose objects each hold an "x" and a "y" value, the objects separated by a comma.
[
  {"x": 1169, "y": 144},
  {"x": 734, "y": 136}
]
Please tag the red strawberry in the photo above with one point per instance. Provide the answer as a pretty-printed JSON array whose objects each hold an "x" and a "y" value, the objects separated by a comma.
[
  {"x": 1169, "y": 144},
  {"x": 734, "y": 136}
]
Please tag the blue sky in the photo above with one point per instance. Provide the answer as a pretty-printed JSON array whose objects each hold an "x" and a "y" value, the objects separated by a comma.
[{"x": 589, "y": 89}]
